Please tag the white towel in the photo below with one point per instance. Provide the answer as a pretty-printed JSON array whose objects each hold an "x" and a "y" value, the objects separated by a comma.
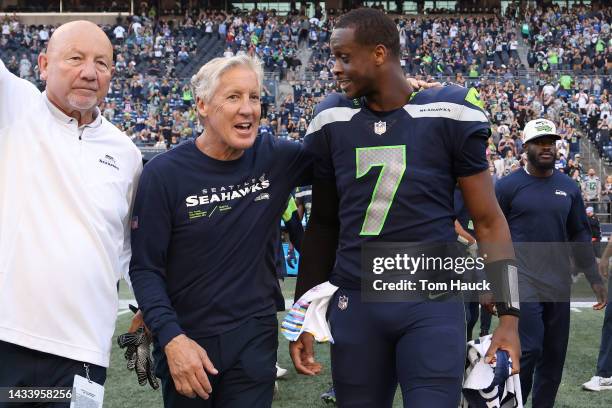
[
  {"x": 479, "y": 377},
  {"x": 309, "y": 314}
]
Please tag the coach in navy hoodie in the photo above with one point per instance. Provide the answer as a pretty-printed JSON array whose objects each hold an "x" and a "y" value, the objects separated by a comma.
[
  {"x": 544, "y": 209},
  {"x": 203, "y": 244}
]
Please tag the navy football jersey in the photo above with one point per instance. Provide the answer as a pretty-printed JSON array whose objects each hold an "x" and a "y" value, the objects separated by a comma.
[{"x": 395, "y": 172}]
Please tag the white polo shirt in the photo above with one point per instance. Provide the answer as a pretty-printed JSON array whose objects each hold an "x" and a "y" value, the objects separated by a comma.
[{"x": 65, "y": 198}]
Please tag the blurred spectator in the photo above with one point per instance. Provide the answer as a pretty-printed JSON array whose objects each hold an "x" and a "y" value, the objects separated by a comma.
[
  {"x": 575, "y": 175},
  {"x": 506, "y": 144},
  {"x": 25, "y": 67},
  {"x": 591, "y": 187},
  {"x": 606, "y": 191},
  {"x": 510, "y": 162},
  {"x": 595, "y": 232}
]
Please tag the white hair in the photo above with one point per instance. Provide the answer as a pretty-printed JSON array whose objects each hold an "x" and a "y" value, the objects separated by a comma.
[{"x": 206, "y": 80}]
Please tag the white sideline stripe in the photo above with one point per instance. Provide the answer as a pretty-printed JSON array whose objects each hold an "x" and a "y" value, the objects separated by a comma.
[
  {"x": 124, "y": 306},
  {"x": 575, "y": 309},
  {"x": 125, "y": 303},
  {"x": 582, "y": 304}
]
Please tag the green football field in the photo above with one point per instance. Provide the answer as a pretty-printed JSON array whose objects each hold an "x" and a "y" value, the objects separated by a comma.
[{"x": 123, "y": 391}]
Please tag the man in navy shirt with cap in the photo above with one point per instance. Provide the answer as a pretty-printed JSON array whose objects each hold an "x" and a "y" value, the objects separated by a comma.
[{"x": 544, "y": 208}]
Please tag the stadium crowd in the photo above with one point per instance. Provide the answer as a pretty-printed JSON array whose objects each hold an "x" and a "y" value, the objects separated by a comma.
[
  {"x": 472, "y": 45},
  {"x": 578, "y": 40},
  {"x": 151, "y": 100},
  {"x": 477, "y": 46},
  {"x": 150, "y": 97}
]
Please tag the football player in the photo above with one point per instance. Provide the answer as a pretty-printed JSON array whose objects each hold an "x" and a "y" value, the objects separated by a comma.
[{"x": 386, "y": 165}]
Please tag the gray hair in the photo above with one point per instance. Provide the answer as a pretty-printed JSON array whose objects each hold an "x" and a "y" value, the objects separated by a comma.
[{"x": 206, "y": 80}]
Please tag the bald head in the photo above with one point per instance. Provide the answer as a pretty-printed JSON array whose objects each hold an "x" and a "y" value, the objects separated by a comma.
[
  {"x": 77, "y": 67},
  {"x": 68, "y": 32}
]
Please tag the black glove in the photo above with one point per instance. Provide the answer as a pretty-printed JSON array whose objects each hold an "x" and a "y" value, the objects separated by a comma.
[{"x": 138, "y": 356}]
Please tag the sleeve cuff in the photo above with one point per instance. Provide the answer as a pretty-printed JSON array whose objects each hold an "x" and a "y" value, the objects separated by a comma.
[
  {"x": 479, "y": 127},
  {"x": 471, "y": 172},
  {"x": 169, "y": 331}
]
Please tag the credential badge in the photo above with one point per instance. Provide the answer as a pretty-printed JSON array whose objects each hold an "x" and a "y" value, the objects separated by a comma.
[
  {"x": 342, "y": 302},
  {"x": 380, "y": 127}
]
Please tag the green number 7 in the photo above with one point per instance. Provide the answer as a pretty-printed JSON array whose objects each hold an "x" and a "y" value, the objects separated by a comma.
[{"x": 392, "y": 159}]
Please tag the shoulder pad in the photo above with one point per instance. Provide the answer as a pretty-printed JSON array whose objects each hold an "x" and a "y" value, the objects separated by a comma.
[
  {"x": 334, "y": 108},
  {"x": 449, "y": 93},
  {"x": 337, "y": 100}
]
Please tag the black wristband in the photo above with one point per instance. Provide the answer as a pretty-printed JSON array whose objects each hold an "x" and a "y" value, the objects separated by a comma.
[
  {"x": 503, "y": 309},
  {"x": 503, "y": 275}
]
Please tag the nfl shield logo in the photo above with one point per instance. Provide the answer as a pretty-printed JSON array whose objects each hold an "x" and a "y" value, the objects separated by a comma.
[
  {"x": 380, "y": 127},
  {"x": 342, "y": 302}
]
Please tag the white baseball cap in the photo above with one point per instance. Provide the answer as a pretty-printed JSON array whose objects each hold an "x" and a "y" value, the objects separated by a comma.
[{"x": 537, "y": 128}]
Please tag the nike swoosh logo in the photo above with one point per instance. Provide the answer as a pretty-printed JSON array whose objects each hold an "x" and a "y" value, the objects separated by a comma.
[{"x": 436, "y": 296}]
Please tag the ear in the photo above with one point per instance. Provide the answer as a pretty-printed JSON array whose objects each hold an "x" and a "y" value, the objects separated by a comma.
[
  {"x": 43, "y": 62},
  {"x": 202, "y": 107},
  {"x": 380, "y": 54}
]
